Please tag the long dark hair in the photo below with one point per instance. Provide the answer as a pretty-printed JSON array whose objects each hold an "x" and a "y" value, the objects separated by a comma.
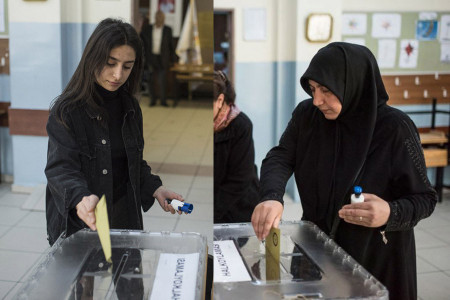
[{"x": 109, "y": 34}]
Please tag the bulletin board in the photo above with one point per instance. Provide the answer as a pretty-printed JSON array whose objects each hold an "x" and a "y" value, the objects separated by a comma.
[{"x": 432, "y": 53}]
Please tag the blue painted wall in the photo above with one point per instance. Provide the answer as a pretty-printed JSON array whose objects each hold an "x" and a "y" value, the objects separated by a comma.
[
  {"x": 43, "y": 59},
  {"x": 266, "y": 93}
]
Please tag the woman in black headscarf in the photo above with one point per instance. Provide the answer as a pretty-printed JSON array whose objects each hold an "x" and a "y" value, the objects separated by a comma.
[{"x": 347, "y": 135}]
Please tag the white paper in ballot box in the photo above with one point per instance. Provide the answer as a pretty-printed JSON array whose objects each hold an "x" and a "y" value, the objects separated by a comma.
[{"x": 174, "y": 279}]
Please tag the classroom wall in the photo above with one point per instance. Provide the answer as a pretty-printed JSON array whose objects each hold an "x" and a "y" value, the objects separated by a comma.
[
  {"x": 46, "y": 42},
  {"x": 267, "y": 72},
  {"x": 408, "y": 7}
]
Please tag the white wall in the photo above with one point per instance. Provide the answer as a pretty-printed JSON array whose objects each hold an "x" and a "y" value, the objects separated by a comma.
[{"x": 395, "y": 5}]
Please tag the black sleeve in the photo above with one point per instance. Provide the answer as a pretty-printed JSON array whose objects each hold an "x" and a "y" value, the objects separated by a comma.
[
  {"x": 278, "y": 166},
  {"x": 65, "y": 179},
  {"x": 418, "y": 198},
  {"x": 149, "y": 182},
  {"x": 239, "y": 172}
]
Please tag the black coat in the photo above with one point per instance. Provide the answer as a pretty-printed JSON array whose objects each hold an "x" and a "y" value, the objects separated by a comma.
[
  {"x": 79, "y": 164},
  {"x": 236, "y": 181},
  {"x": 167, "y": 53},
  {"x": 370, "y": 144}
]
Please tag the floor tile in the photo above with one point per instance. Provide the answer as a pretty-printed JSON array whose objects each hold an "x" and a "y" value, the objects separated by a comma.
[
  {"x": 11, "y": 215},
  {"x": 201, "y": 212},
  {"x": 36, "y": 200},
  {"x": 15, "y": 264},
  {"x": 203, "y": 182},
  {"x": 205, "y": 170},
  {"x": 442, "y": 233},
  {"x": 172, "y": 180},
  {"x": 25, "y": 239},
  {"x": 179, "y": 169},
  {"x": 439, "y": 257},
  {"x": 424, "y": 266},
  {"x": 4, "y": 229},
  {"x": 157, "y": 224},
  {"x": 433, "y": 286},
  {"x": 425, "y": 239},
  {"x": 16, "y": 289},
  {"x": 13, "y": 199},
  {"x": 432, "y": 222},
  {"x": 6, "y": 287},
  {"x": 34, "y": 219},
  {"x": 200, "y": 195}
]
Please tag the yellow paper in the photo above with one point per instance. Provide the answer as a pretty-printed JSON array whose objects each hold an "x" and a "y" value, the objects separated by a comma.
[
  {"x": 273, "y": 254},
  {"x": 102, "y": 223}
]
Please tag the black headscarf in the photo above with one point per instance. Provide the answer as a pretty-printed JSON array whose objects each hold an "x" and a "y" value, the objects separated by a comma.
[{"x": 351, "y": 73}]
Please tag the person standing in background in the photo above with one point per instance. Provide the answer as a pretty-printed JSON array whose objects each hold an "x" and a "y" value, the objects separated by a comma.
[
  {"x": 159, "y": 53},
  {"x": 236, "y": 183}
]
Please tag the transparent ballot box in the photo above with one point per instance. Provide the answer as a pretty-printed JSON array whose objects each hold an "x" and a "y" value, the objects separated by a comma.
[
  {"x": 145, "y": 265},
  {"x": 310, "y": 266}
]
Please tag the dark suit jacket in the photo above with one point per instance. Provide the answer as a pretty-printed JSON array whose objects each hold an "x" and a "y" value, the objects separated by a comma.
[{"x": 167, "y": 47}]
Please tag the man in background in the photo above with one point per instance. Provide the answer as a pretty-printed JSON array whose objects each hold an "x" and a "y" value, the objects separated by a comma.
[{"x": 159, "y": 55}]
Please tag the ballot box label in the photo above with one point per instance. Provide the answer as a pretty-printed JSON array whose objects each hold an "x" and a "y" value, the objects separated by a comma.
[
  {"x": 175, "y": 277},
  {"x": 228, "y": 264}
]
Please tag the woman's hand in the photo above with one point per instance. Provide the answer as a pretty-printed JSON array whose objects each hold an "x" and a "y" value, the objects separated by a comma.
[
  {"x": 161, "y": 194},
  {"x": 86, "y": 210},
  {"x": 266, "y": 215},
  {"x": 373, "y": 212}
]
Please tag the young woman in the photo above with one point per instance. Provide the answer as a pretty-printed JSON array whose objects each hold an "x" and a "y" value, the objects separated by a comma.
[
  {"x": 347, "y": 135},
  {"x": 96, "y": 142},
  {"x": 235, "y": 179}
]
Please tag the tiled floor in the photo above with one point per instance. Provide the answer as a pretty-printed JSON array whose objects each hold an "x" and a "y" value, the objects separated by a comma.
[{"x": 179, "y": 147}]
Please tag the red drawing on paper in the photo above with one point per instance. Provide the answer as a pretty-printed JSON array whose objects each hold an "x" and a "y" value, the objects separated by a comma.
[{"x": 409, "y": 49}]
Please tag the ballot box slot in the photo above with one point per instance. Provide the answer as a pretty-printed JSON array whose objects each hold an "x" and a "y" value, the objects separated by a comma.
[
  {"x": 303, "y": 296},
  {"x": 295, "y": 264}
]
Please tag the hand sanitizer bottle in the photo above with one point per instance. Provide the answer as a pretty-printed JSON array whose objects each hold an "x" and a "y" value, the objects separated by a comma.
[{"x": 357, "y": 197}]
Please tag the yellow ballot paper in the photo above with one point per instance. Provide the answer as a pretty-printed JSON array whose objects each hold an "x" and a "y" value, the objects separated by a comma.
[
  {"x": 273, "y": 254},
  {"x": 102, "y": 223}
]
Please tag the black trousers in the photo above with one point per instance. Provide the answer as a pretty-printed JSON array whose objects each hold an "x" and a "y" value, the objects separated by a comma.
[{"x": 158, "y": 73}]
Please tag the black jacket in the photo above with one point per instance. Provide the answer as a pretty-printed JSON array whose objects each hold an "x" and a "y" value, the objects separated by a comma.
[
  {"x": 79, "y": 164},
  {"x": 167, "y": 53},
  {"x": 236, "y": 181}
]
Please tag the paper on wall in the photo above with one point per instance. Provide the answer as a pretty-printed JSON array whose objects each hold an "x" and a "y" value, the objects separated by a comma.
[
  {"x": 255, "y": 24},
  {"x": 354, "y": 24},
  {"x": 445, "y": 52},
  {"x": 357, "y": 41},
  {"x": 409, "y": 51},
  {"x": 386, "y": 25},
  {"x": 387, "y": 50},
  {"x": 445, "y": 28}
]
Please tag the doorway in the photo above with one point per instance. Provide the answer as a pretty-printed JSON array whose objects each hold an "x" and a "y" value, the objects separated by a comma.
[{"x": 223, "y": 42}]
